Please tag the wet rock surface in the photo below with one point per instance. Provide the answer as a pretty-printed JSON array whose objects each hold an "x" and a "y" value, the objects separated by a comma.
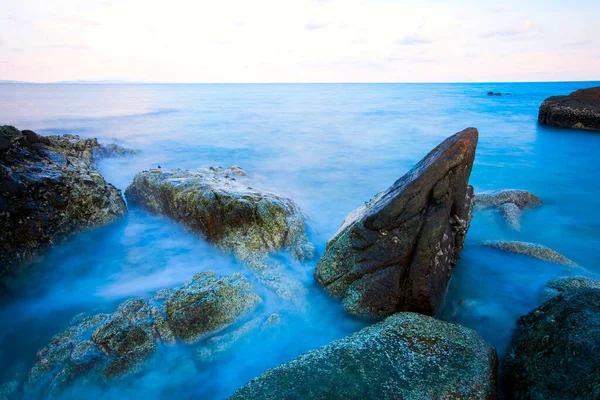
[
  {"x": 407, "y": 356},
  {"x": 532, "y": 250},
  {"x": 509, "y": 202},
  {"x": 218, "y": 204},
  {"x": 109, "y": 346},
  {"x": 579, "y": 110},
  {"x": 397, "y": 252},
  {"x": 50, "y": 189},
  {"x": 555, "y": 351},
  {"x": 564, "y": 284}
]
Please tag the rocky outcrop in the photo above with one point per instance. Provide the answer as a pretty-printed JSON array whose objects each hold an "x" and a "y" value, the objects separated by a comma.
[
  {"x": 579, "y": 110},
  {"x": 510, "y": 202},
  {"x": 407, "y": 356},
  {"x": 112, "y": 345},
  {"x": 50, "y": 189},
  {"x": 555, "y": 351},
  {"x": 532, "y": 250},
  {"x": 218, "y": 204},
  {"x": 563, "y": 284},
  {"x": 398, "y": 251}
]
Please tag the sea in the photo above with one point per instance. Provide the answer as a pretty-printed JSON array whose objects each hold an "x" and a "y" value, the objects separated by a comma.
[{"x": 329, "y": 147}]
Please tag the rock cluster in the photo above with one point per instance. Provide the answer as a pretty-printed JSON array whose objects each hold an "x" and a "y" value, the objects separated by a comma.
[
  {"x": 510, "y": 202},
  {"x": 111, "y": 345},
  {"x": 407, "y": 356},
  {"x": 397, "y": 252},
  {"x": 532, "y": 250},
  {"x": 579, "y": 110},
  {"x": 50, "y": 189}
]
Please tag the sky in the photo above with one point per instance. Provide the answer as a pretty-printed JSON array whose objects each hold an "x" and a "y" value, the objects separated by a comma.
[{"x": 299, "y": 40}]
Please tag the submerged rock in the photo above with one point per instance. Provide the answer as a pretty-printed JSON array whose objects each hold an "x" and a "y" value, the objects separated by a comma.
[
  {"x": 563, "y": 284},
  {"x": 530, "y": 249},
  {"x": 579, "y": 110},
  {"x": 397, "y": 252},
  {"x": 510, "y": 202},
  {"x": 108, "y": 346},
  {"x": 216, "y": 204},
  {"x": 50, "y": 189},
  {"x": 407, "y": 356},
  {"x": 555, "y": 351}
]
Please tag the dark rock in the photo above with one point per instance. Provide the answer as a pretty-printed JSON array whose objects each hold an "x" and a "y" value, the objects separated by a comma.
[
  {"x": 217, "y": 204},
  {"x": 510, "y": 202},
  {"x": 490, "y": 93},
  {"x": 563, "y": 284},
  {"x": 49, "y": 189},
  {"x": 532, "y": 250},
  {"x": 579, "y": 110},
  {"x": 555, "y": 351},
  {"x": 497, "y": 94},
  {"x": 407, "y": 356},
  {"x": 397, "y": 252}
]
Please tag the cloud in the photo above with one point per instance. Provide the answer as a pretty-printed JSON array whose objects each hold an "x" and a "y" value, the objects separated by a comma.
[
  {"x": 414, "y": 39},
  {"x": 70, "y": 46},
  {"x": 311, "y": 26},
  {"x": 525, "y": 27},
  {"x": 414, "y": 60}
]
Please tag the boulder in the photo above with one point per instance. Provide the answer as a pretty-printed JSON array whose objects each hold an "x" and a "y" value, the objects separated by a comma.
[
  {"x": 397, "y": 252},
  {"x": 579, "y": 110},
  {"x": 563, "y": 284},
  {"x": 532, "y": 250},
  {"x": 50, "y": 189},
  {"x": 407, "y": 356},
  {"x": 109, "y": 346},
  {"x": 510, "y": 202},
  {"x": 555, "y": 351},
  {"x": 218, "y": 204}
]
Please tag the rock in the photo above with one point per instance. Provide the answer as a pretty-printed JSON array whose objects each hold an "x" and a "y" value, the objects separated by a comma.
[
  {"x": 497, "y": 94},
  {"x": 216, "y": 204},
  {"x": 208, "y": 303},
  {"x": 49, "y": 189},
  {"x": 579, "y": 110},
  {"x": 490, "y": 93},
  {"x": 114, "y": 345},
  {"x": 407, "y": 356},
  {"x": 555, "y": 351},
  {"x": 510, "y": 202},
  {"x": 397, "y": 252},
  {"x": 8, "y": 389},
  {"x": 563, "y": 284},
  {"x": 532, "y": 250}
]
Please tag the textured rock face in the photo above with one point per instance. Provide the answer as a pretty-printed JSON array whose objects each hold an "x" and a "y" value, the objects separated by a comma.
[
  {"x": 49, "y": 189},
  {"x": 579, "y": 110},
  {"x": 510, "y": 202},
  {"x": 555, "y": 351},
  {"x": 217, "y": 204},
  {"x": 563, "y": 284},
  {"x": 112, "y": 345},
  {"x": 532, "y": 250},
  {"x": 397, "y": 252},
  {"x": 407, "y": 356}
]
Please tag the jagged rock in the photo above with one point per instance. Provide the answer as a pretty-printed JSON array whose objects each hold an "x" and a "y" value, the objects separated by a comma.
[
  {"x": 579, "y": 110},
  {"x": 563, "y": 284},
  {"x": 407, "y": 356},
  {"x": 208, "y": 303},
  {"x": 555, "y": 351},
  {"x": 510, "y": 202},
  {"x": 397, "y": 252},
  {"x": 109, "y": 346},
  {"x": 50, "y": 189},
  {"x": 217, "y": 204},
  {"x": 530, "y": 249}
]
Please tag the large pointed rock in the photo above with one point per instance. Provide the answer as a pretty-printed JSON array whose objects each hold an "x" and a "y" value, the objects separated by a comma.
[{"x": 397, "y": 252}]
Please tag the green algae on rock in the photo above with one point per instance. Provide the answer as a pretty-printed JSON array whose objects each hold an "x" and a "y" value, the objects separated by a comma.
[
  {"x": 397, "y": 252},
  {"x": 407, "y": 356},
  {"x": 50, "y": 189},
  {"x": 532, "y": 250}
]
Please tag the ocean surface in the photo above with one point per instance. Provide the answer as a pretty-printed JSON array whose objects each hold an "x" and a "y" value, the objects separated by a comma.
[{"x": 330, "y": 147}]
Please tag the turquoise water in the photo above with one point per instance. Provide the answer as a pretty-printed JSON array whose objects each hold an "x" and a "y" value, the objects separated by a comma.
[{"x": 330, "y": 147}]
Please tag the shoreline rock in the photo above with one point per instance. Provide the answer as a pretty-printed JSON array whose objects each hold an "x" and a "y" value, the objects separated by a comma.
[
  {"x": 49, "y": 190},
  {"x": 532, "y": 250},
  {"x": 407, "y": 356},
  {"x": 397, "y": 252},
  {"x": 578, "y": 110}
]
